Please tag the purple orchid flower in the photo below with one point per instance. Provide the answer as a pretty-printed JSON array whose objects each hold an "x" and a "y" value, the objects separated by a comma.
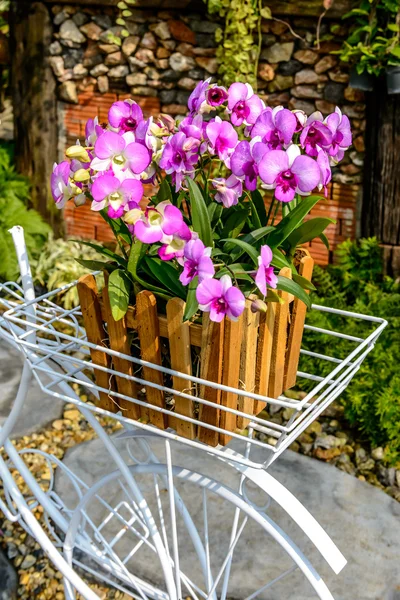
[
  {"x": 326, "y": 173},
  {"x": 120, "y": 152},
  {"x": 198, "y": 97},
  {"x": 175, "y": 246},
  {"x": 59, "y": 183},
  {"x": 315, "y": 135},
  {"x": 125, "y": 115},
  {"x": 265, "y": 273},
  {"x": 193, "y": 127},
  {"x": 219, "y": 297},
  {"x": 275, "y": 127},
  {"x": 108, "y": 190},
  {"x": 339, "y": 125},
  {"x": 245, "y": 161},
  {"x": 289, "y": 173},
  {"x": 196, "y": 263},
  {"x": 222, "y": 137},
  {"x": 228, "y": 190},
  {"x": 179, "y": 157},
  {"x": 216, "y": 95},
  {"x": 301, "y": 119},
  {"x": 244, "y": 104},
  {"x": 158, "y": 223},
  {"x": 92, "y": 131}
]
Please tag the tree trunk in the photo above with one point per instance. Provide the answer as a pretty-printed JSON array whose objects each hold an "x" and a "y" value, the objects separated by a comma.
[
  {"x": 380, "y": 215},
  {"x": 35, "y": 103}
]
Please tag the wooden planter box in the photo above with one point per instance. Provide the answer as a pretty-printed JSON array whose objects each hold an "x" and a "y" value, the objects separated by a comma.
[{"x": 258, "y": 353}]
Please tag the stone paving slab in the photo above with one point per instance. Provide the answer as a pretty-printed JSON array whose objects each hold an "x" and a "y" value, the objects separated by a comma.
[
  {"x": 363, "y": 521},
  {"x": 39, "y": 409}
]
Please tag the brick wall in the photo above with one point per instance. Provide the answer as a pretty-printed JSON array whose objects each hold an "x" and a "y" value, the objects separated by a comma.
[{"x": 165, "y": 56}]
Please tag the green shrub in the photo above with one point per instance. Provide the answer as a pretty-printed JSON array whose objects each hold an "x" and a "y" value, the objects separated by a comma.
[
  {"x": 356, "y": 283},
  {"x": 14, "y": 196}
]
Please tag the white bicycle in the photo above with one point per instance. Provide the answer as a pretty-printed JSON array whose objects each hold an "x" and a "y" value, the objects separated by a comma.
[{"x": 153, "y": 526}]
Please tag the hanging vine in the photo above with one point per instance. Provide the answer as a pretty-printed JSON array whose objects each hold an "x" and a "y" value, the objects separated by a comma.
[{"x": 239, "y": 42}]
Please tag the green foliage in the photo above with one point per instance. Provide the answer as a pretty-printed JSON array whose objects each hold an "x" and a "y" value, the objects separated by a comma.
[
  {"x": 373, "y": 43},
  {"x": 240, "y": 40},
  {"x": 356, "y": 283},
  {"x": 14, "y": 196},
  {"x": 58, "y": 265}
]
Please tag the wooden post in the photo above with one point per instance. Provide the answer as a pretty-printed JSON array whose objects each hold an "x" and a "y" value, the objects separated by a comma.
[
  {"x": 35, "y": 102},
  {"x": 230, "y": 374},
  {"x": 279, "y": 342},
  {"x": 248, "y": 359}
]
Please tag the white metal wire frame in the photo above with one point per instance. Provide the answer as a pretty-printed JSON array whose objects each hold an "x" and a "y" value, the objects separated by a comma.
[{"x": 57, "y": 354}]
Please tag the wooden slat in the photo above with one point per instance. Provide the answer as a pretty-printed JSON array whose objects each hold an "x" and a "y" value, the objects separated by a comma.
[
  {"x": 119, "y": 341},
  {"x": 248, "y": 359},
  {"x": 211, "y": 369},
  {"x": 296, "y": 328},
  {"x": 230, "y": 375},
  {"x": 181, "y": 360},
  {"x": 264, "y": 352},
  {"x": 92, "y": 319},
  {"x": 149, "y": 338},
  {"x": 275, "y": 387}
]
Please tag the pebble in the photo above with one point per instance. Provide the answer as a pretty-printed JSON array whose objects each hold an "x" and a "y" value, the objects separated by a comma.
[
  {"x": 278, "y": 52},
  {"x": 28, "y": 561},
  {"x": 130, "y": 44},
  {"x": 70, "y": 32},
  {"x": 179, "y": 62}
]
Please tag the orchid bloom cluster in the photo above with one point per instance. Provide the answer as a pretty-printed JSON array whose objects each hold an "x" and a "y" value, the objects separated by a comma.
[{"x": 229, "y": 145}]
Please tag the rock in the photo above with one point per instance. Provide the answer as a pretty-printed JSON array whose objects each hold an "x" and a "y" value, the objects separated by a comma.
[
  {"x": 161, "y": 63},
  {"x": 362, "y": 520},
  {"x": 277, "y": 27},
  {"x": 182, "y": 97},
  {"x": 79, "y": 71},
  {"x": 57, "y": 64},
  {"x": 80, "y": 19},
  {"x": 206, "y": 40},
  {"x": 168, "y": 44},
  {"x": 378, "y": 453},
  {"x": 307, "y": 57},
  {"x": 179, "y": 62},
  {"x": 326, "y": 63},
  {"x": 334, "y": 92},
  {"x": 357, "y": 159},
  {"x": 70, "y": 32},
  {"x": 168, "y": 96},
  {"x": 118, "y": 72},
  {"x": 338, "y": 76},
  {"x": 55, "y": 48},
  {"x": 60, "y": 17},
  {"x": 152, "y": 73},
  {"x": 314, "y": 427},
  {"x": 359, "y": 145},
  {"x": 204, "y": 51},
  {"x": 350, "y": 169},
  {"x": 68, "y": 93},
  {"x": 99, "y": 70},
  {"x": 12, "y": 550},
  {"x": 329, "y": 441},
  {"x": 8, "y": 579},
  {"x": 291, "y": 67},
  {"x": 354, "y": 110},
  {"x": 130, "y": 44},
  {"x": 143, "y": 91},
  {"x": 136, "y": 79},
  {"x": 328, "y": 454},
  {"x": 161, "y": 30},
  {"x": 204, "y": 26},
  {"x": 325, "y": 107},
  {"x": 307, "y": 76},
  {"x": 28, "y": 561},
  {"x": 116, "y": 58},
  {"x": 266, "y": 72},
  {"x": 103, "y": 84},
  {"x": 278, "y": 52},
  {"x": 209, "y": 64},
  {"x": 366, "y": 465},
  {"x": 307, "y": 107},
  {"x": 268, "y": 39},
  {"x": 145, "y": 55},
  {"x": 181, "y": 32},
  {"x": 170, "y": 75},
  {"x": 103, "y": 21},
  {"x": 197, "y": 73},
  {"x": 72, "y": 57},
  {"x": 184, "y": 48},
  {"x": 353, "y": 95},
  {"x": 108, "y": 48},
  {"x": 306, "y": 91},
  {"x": 281, "y": 82},
  {"x": 163, "y": 53},
  {"x": 111, "y": 33},
  {"x": 92, "y": 31},
  {"x": 149, "y": 41},
  {"x": 187, "y": 83}
]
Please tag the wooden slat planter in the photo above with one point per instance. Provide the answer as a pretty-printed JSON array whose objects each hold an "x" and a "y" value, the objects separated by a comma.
[{"x": 257, "y": 353}]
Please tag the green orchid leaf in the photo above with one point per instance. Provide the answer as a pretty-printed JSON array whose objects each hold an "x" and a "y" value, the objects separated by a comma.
[
  {"x": 96, "y": 265},
  {"x": 105, "y": 251},
  {"x": 303, "y": 282},
  {"x": 279, "y": 260},
  {"x": 308, "y": 231},
  {"x": 200, "y": 217},
  {"x": 291, "y": 221},
  {"x": 166, "y": 274},
  {"x": 257, "y": 202},
  {"x": 292, "y": 287},
  {"x": 324, "y": 240},
  {"x": 119, "y": 287},
  {"x": 244, "y": 246},
  {"x": 192, "y": 305},
  {"x": 235, "y": 223}
]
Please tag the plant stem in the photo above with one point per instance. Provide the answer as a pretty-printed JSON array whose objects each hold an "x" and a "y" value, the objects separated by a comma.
[
  {"x": 270, "y": 209},
  {"x": 275, "y": 213}
]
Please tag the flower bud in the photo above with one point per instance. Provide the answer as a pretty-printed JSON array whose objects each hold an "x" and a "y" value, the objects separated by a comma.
[
  {"x": 258, "y": 306},
  {"x": 82, "y": 175},
  {"x": 78, "y": 152},
  {"x": 132, "y": 216}
]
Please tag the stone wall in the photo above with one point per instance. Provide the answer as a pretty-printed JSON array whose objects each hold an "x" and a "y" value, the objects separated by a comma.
[{"x": 168, "y": 52}]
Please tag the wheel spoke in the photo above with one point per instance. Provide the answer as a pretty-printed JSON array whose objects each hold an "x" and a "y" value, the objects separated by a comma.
[
  {"x": 271, "y": 583},
  {"x": 171, "y": 494}
]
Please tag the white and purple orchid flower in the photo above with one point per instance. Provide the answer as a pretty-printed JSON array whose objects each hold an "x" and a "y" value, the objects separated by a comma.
[
  {"x": 315, "y": 135},
  {"x": 228, "y": 190},
  {"x": 196, "y": 262},
  {"x": 59, "y": 183},
  {"x": 120, "y": 152},
  {"x": 265, "y": 273},
  {"x": 125, "y": 115},
  {"x": 244, "y": 105},
  {"x": 158, "y": 223},
  {"x": 275, "y": 127},
  {"x": 118, "y": 193},
  {"x": 219, "y": 297},
  {"x": 339, "y": 126},
  {"x": 289, "y": 173}
]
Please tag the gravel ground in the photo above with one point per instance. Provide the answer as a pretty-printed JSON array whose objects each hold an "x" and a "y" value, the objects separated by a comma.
[{"x": 328, "y": 439}]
